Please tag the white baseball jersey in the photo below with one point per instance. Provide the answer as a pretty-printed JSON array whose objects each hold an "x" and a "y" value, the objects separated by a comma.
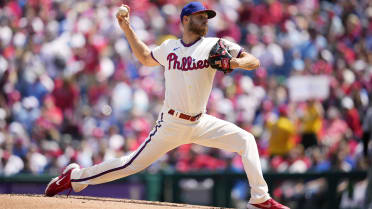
[
  {"x": 188, "y": 76},
  {"x": 188, "y": 83}
]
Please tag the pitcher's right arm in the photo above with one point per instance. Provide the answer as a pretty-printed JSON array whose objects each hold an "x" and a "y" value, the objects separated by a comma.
[{"x": 140, "y": 49}]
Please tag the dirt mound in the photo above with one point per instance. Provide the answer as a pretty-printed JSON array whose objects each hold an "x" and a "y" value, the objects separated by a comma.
[{"x": 16, "y": 201}]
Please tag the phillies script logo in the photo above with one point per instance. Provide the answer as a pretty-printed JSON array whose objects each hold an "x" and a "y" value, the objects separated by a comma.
[{"x": 187, "y": 63}]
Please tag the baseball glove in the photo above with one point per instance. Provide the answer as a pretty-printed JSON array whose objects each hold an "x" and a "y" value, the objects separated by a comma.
[{"x": 219, "y": 57}]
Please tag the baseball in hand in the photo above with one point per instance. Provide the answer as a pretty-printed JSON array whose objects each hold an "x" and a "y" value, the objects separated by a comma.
[{"x": 123, "y": 11}]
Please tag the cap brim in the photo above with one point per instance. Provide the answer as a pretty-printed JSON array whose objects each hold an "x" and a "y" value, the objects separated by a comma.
[{"x": 210, "y": 13}]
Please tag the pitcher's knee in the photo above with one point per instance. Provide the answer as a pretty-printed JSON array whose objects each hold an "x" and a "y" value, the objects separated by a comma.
[
  {"x": 249, "y": 141},
  {"x": 248, "y": 137}
]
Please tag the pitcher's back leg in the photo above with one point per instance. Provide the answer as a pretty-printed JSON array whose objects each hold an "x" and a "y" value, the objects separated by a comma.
[{"x": 161, "y": 140}]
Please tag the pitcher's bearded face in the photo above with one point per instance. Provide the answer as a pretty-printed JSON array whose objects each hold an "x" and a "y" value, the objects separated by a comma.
[{"x": 198, "y": 24}]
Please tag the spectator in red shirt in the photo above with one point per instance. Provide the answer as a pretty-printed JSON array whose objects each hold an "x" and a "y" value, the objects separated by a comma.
[
  {"x": 66, "y": 94},
  {"x": 352, "y": 117}
]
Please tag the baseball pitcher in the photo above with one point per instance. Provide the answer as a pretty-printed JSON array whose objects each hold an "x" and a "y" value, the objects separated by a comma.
[{"x": 190, "y": 64}]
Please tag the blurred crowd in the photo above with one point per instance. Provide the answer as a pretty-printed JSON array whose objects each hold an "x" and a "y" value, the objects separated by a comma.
[{"x": 72, "y": 91}]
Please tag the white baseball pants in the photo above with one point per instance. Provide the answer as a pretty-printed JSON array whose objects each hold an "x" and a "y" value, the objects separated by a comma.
[{"x": 171, "y": 132}]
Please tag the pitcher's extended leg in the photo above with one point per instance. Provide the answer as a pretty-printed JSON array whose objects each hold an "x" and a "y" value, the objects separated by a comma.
[
  {"x": 159, "y": 141},
  {"x": 217, "y": 133}
]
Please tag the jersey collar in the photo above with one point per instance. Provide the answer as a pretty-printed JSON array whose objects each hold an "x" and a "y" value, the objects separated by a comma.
[{"x": 190, "y": 44}]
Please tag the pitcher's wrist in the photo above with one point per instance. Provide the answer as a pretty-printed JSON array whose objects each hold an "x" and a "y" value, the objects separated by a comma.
[{"x": 234, "y": 63}]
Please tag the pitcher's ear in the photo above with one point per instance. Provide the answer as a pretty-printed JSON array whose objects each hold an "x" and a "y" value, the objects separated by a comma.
[{"x": 185, "y": 19}]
